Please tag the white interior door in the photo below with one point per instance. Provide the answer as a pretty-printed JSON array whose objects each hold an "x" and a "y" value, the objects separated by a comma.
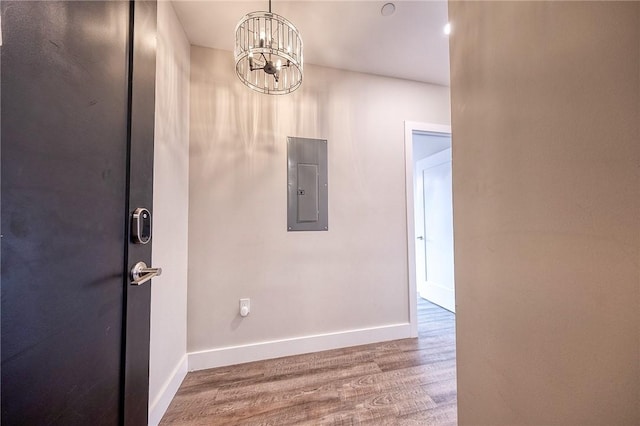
[{"x": 434, "y": 229}]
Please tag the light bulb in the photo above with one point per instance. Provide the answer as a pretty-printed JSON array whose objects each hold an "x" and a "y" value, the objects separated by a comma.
[
  {"x": 447, "y": 28},
  {"x": 278, "y": 64}
]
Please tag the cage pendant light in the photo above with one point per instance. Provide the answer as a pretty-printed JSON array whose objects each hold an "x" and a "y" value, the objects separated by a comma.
[{"x": 268, "y": 53}]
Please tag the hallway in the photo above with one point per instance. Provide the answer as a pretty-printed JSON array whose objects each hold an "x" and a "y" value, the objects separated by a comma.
[{"x": 402, "y": 382}]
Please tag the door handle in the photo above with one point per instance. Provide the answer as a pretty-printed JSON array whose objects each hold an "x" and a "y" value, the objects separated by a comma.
[
  {"x": 141, "y": 273},
  {"x": 420, "y": 237}
]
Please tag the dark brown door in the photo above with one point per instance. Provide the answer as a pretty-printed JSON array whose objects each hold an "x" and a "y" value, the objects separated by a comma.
[{"x": 77, "y": 102}]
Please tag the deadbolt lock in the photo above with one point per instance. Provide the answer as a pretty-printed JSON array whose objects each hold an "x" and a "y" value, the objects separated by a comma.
[{"x": 141, "y": 226}]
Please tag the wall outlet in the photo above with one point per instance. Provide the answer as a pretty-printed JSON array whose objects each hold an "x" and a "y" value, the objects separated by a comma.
[{"x": 245, "y": 307}]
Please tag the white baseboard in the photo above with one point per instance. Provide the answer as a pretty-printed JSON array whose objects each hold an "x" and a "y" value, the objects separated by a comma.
[
  {"x": 295, "y": 346},
  {"x": 159, "y": 406}
]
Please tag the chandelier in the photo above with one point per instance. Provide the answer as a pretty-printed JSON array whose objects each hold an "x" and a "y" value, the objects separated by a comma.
[{"x": 268, "y": 53}]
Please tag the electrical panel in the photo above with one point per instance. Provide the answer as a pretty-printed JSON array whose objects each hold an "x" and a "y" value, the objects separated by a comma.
[{"x": 307, "y": 185}]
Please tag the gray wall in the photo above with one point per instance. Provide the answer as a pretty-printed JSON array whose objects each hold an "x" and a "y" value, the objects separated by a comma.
[
  {"x": 170, "y": 212},
  {"x": 545, "y": 115},
  {"x": 304, "y": 284}
]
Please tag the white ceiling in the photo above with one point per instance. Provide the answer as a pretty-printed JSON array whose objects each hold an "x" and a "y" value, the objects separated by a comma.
[
  {"x": 351, "y": 35},
  {"x": 426, "y": 144}
]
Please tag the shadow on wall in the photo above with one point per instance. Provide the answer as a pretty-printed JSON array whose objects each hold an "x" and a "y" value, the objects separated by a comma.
[
  {"x": 232, "y": 118},
  {"x": 174, "y": 76},
  {"x": 238, "y": 136}
]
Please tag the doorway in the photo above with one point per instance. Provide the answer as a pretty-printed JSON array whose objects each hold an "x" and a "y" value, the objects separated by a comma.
[
  {"x": 434, "y": 218},
  {"x": 429, "y": 216}
]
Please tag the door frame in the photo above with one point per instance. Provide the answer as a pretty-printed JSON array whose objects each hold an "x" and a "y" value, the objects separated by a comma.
[{"x": 409, "y": 128}]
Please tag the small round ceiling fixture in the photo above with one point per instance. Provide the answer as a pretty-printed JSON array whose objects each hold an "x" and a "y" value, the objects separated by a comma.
[{"x": 388, "y": 9}]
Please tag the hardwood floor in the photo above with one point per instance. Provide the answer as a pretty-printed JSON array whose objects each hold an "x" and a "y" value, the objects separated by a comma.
[{"x": 402, "y": 382}]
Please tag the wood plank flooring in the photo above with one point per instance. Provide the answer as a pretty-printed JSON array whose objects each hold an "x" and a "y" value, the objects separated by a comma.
[{"x": 402, "y": 382}]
